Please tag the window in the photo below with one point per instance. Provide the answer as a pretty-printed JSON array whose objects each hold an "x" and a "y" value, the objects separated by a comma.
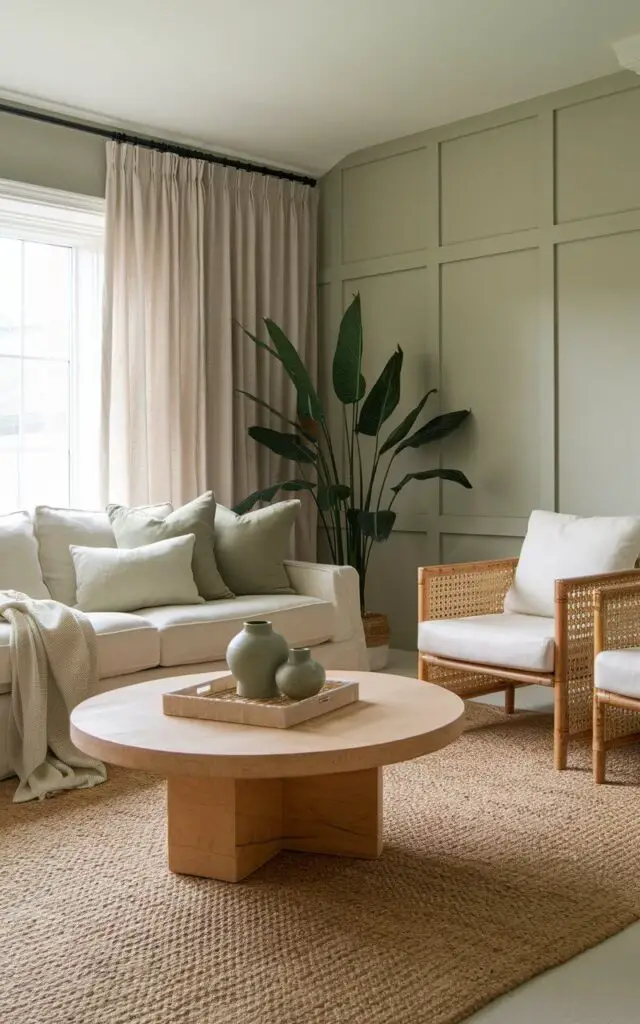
[{"x": 50, "y": 294}]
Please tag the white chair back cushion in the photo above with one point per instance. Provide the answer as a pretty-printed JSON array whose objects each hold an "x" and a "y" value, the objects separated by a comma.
[
  {"x": 560, "y": 546},
  {"x": 19, "y": 566}
]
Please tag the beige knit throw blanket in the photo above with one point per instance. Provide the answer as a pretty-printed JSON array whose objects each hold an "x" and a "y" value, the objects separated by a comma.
[{"x": 53, "y": 664}]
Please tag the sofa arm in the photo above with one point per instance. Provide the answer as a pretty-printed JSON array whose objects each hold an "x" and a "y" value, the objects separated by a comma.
[
  {"x": 468, "y": 588},
  {"x": 617, "y": 617},
  {"x": 338, "y": 584}
]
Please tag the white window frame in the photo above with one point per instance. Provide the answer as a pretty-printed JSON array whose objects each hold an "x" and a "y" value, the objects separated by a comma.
[{"x": 38, "y": 214}]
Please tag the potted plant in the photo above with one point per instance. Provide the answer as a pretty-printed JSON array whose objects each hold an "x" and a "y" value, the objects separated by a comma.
[{"x": 349, "y": 491}]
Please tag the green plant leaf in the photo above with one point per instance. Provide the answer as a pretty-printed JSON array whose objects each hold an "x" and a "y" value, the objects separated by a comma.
[
  {"x": 455, "y": 475},
  {"x": 308, "y": 402},
  {"x": 258, "y": 343},
  {"x": 383, "y": 397},
  {"x": 377, "y": 525},
  {"x": 289, "y": 446},
  {"x": 435, "y": 429},
  {"x": 348, "y": 382},
  {"x": 403, "y": 428},
  {"x": 331, "y": 495},
  {"x": 276, "y": 412},
  {"x": 267, "y": 493}
]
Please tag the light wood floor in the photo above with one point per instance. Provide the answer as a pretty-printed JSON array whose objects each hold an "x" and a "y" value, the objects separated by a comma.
[{"x": 598, "y": 986}]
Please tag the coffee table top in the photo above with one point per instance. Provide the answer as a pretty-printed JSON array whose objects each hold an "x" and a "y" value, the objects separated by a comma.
[{"x": 395, "y": 719}]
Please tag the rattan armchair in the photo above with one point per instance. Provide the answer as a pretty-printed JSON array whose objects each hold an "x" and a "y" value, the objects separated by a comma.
[
  {"x": 479, "y": 588},
  {"x": 616, "y": 715}
]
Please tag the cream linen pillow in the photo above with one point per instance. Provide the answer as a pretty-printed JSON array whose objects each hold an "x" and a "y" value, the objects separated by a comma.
[
  {"x": 560, "y": 546},
  {"x": 57, "y": 528},
  {"x": 19, "y": 565},
  {"x": 125, "y": 579},
  {"x": 251, "y": 549}
]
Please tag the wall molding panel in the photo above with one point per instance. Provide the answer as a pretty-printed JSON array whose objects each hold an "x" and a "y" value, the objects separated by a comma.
[{"x": 500, "y": 253}]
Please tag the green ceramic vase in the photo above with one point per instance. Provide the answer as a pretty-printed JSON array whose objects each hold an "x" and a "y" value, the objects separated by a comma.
[
  {"x": 300, "y": 676},
  {"x": 253, "y": 656}
]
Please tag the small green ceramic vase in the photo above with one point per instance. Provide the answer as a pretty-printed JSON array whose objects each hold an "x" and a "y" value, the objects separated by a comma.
[{"x": 300, "y": 676}]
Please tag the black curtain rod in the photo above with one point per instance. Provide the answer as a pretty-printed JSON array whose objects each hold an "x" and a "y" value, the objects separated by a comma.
[{"x": 162, "y": 146}]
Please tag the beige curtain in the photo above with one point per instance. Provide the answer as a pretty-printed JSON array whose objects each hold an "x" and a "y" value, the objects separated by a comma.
[{"x": 192, "y": 247}]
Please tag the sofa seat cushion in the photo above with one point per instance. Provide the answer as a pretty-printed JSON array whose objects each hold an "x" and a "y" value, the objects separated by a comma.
[
  {"x": 200, "y": 633},
  {"x": 126, "y": 643},
  {"x": 5, "y": 660},
  {"x": 619, "y": 672},
  {"x": 523, "y": 642}
]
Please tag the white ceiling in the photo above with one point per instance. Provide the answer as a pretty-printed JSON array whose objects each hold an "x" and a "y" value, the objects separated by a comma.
[{"x": 301, "y": 83}]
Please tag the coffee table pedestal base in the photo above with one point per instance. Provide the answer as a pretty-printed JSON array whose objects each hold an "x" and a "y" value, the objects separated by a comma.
[{"x": 227, "y": 828}]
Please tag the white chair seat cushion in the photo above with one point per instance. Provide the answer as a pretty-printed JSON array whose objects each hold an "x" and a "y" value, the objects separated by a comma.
[
  {"x": 619, "y": 672},
  {"x": 126, "y": 643},
  {"x": 523, "y": 642},
  {"x": 190, "y": 634}
]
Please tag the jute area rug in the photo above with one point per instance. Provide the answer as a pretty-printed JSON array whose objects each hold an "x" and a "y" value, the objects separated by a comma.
[{"x": 495, "y": 868}]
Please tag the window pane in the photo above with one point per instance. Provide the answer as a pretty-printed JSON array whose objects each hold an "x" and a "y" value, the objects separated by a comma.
[
  {"x": 47, "y": 299},
  {"x": 44, "y": 478},
  {"x": 9, "y": 401},
  {"x": 46, "y": 405},
  {"x": 10, "y": 287},
  {"x": 9, "y": 497},
  {"x": 9, "y": 340}
]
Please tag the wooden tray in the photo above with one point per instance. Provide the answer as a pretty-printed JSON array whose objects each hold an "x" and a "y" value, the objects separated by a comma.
[{"x": 218, "y": 701}]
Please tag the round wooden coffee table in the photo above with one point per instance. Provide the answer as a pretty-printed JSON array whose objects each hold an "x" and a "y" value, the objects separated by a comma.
[{"x": 238, "y": 794}]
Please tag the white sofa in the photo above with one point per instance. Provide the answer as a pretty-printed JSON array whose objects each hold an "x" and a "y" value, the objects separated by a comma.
[{"x": 323, "y": 613}]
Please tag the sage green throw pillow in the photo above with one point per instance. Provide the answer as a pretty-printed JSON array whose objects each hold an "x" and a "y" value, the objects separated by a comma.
[
  {"x": 133, "y": 528},
  {"x": 115, "y": 580},
  {"x": 251, "y": 549}
]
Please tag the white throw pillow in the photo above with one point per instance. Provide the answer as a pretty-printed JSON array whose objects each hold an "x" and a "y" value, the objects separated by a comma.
[
  {"x": 560, "y": 546},
  {"x": 19, "y": 565},
  {"x": 125, "y": 579},
  {"x": 57, "y": 529}
]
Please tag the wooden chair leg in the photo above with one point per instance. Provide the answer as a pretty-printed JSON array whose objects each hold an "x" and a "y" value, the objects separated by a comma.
[
  {"x": 509, "y": 700},
  {"x": 422, "y": 669},
  {"x": 599, "y": 751},
  {"x": 560, "y": 727}
]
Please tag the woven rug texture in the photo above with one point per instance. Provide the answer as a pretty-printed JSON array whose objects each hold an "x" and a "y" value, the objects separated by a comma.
[{"x": 495, "y": 868}]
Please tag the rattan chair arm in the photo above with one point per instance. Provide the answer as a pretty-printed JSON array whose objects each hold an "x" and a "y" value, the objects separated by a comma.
[
  {"x": 574, "y": 631},
  {"x": 564, "y": 587},
  {"x": 455, "y": 568},
  {"x": 463, "y": 588},
  {"x": 616, "y": 610}
]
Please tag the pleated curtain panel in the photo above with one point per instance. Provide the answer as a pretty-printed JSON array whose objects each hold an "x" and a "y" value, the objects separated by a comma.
[{"x": 190, "y": 248}]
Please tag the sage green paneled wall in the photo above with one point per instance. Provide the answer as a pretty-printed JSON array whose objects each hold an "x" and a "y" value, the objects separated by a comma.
[
  {"x": 503, "y": 254},
  {"x": 50, "y": 156}
]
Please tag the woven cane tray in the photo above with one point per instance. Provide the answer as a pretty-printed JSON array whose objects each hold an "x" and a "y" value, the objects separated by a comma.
[{"x": 218, "y": 701}]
